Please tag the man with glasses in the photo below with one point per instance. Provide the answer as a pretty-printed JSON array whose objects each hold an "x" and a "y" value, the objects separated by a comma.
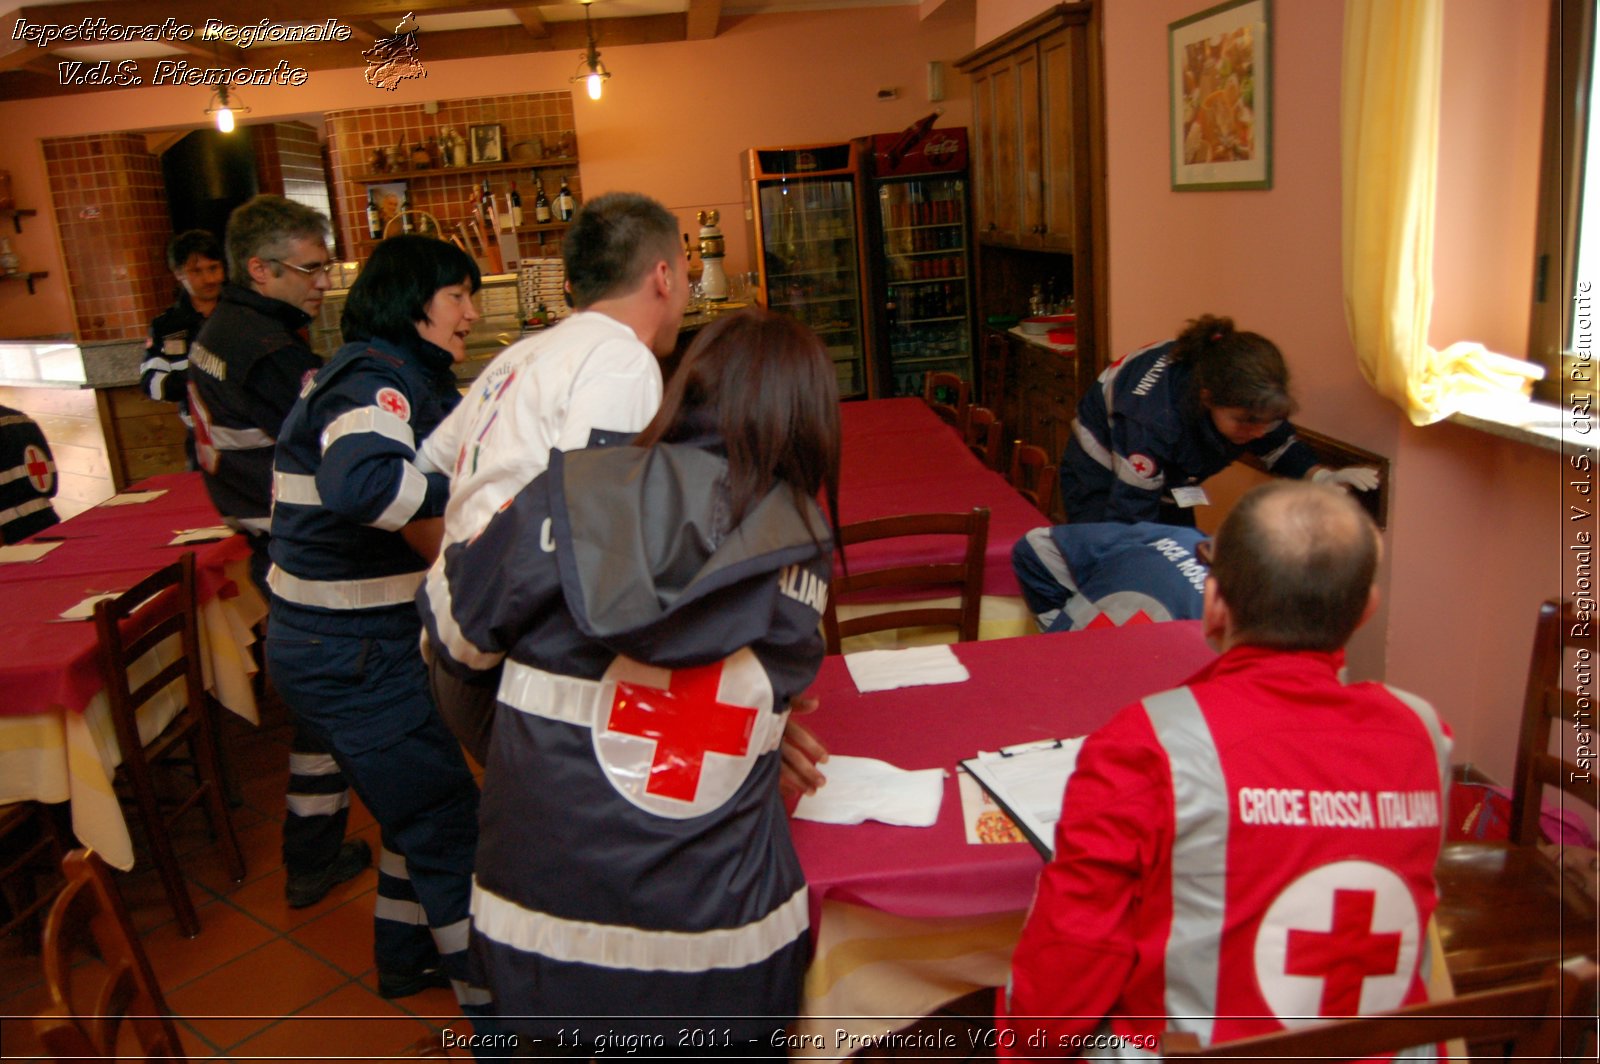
[{"x": 246, "y": 369}]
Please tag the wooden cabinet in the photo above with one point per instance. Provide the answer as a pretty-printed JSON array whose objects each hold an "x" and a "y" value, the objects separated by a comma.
[
  {"x": 1030, "y": 95},
  {"x": 1048, "y": 389}
]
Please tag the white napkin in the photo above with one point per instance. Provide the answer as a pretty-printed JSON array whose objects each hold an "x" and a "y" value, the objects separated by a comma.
[
  {"x": 864, "y": 788},
  {"x": 85, "y": 609},
  {"x": 199, "y": 535},
  {"x": 130, "y": 498},
  {"x": 883, "y": 670},
  {"x": 26, "y": 552}
]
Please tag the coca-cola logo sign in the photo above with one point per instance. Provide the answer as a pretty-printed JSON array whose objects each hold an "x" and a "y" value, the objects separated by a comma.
[{"x": 939, "y": 148}]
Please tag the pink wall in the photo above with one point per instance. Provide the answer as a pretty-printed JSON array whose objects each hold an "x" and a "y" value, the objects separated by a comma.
[
  {"x": 672, "y": 124},
  {"x": 1473, "y": 544}
]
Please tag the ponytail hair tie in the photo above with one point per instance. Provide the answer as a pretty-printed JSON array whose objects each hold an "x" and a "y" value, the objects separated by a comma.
[{"x": 1216, "y": 336}]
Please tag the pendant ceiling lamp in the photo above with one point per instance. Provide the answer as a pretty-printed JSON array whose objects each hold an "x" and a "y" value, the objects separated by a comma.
[{"x": 591, "y": 70}]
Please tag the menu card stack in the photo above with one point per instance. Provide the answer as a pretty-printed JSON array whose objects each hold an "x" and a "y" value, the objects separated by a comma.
[{"x": 542, "y": 281}]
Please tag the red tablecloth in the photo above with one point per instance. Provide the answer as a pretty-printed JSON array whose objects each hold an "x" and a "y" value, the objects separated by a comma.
[
  {"x": 52, "y": 663},
  {"x": 1022, "y": 689},
  {"x": 897, "y": 457}
]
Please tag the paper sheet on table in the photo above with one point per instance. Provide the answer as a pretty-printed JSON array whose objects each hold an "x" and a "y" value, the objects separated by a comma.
[
  {"x": 1028, "y": 781},
  {"x": 26, "y": 552},
  {"x": 200, "y": 535},
  {"x": 864, "y": 788},
  {"x": 132, "y": 498},
  {"x": 85, "y": 609},
  {"x": 884, "y": 670}
]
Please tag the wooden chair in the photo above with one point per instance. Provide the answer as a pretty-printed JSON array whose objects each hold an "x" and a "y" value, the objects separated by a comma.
[
  {"x": 965, "y": 575},
  {"x": 75, "y": 1025},
  {"x": 1504, "y": 912},
  {"x": 1547, "y": 1019},
  {"x": 1033, "y": 474},
  {"x": 26, "y": 856},
  {"x": 938, "y": 389},
  {"x": 159, "y": 611},
  {"x": 983, "y": 435}
]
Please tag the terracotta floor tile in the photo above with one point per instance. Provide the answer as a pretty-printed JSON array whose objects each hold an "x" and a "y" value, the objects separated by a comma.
[
  {"x": 342, "y": 937},
  {"x": 263, "y": 898},
  {"x": 248, "y": 994},
  {"x": 144, "y": 896},
  {"x": 17, "y": 1035},
  {"x": 262, "y": 846},
  {"x": 226, "y": 933},
  {"x": 351, "y": 1021}
]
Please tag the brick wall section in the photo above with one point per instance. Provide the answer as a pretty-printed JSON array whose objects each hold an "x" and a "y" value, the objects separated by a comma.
[{"x": 111, "y": 213}]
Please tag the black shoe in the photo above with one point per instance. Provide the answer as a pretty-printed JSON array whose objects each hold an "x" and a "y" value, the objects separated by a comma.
[
  {"x": 393, "y": 985},
  {"x": 308, "y": 888}
]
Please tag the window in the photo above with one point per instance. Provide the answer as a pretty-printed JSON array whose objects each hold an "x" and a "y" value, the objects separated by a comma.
[{"x": 1569, "y": 173}]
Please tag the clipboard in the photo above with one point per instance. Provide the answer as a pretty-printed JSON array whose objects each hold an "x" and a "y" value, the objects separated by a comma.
[{"x": 1027, "y": 781}]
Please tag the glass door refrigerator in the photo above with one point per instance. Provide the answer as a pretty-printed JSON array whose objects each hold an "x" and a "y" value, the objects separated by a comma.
[
  {"x": 922, "y": 255},
  {"x": 807, "y": 223}
]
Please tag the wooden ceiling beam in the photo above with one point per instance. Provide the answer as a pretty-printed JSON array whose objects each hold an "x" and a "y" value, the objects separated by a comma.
[
  {"x": 701, "y": 21},
  {"x": 532, "y": 21}
]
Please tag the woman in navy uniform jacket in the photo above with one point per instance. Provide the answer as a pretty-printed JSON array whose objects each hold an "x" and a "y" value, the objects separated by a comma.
[
  {"x": 1168, "y": 416},
  {"x": 350, "y": 501},
  {"x": 653, "y": 609}
]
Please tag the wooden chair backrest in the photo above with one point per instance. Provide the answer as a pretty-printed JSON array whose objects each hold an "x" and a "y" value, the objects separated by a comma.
[
  {"x": 938, "y": 389},
  {"x": 75, "y": 1027},
  {"x": 1547, "y": 1019},
  {"x": 1033, "y": 475},
  {"x": 1548, "y": 700},
  {"x": 966, "y": 574},
  {"x": 983, "y": 435}
]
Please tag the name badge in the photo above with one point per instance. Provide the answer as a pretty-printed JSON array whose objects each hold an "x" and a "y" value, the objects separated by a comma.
[{"x": 1190, "y": 496}]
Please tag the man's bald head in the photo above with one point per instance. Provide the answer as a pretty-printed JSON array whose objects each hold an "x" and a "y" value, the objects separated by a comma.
[{"x": 1294, "y": 562}]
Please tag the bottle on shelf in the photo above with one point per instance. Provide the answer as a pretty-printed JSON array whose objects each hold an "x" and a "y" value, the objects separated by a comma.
[
  {"x": 10, "y": 264},
  {"x": 516, "y": 205},
  {"x": 374, "y": 219},
  {"x": 565, "y": 204},
  {"x": 541, "y": 204},
  {"x": 405, "y": 214}
]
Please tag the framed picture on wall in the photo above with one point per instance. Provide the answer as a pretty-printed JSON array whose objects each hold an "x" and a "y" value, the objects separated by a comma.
[
  {"x": 487, "y": 144},
  {"x": 1220, "y": 65}
]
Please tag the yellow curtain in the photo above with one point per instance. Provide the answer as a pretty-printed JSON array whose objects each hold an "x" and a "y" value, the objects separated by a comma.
[{"x": 1390, "y": 139}]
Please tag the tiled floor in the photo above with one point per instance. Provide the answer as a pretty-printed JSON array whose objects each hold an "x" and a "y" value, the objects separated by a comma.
[{"x": 261, "y": 981}]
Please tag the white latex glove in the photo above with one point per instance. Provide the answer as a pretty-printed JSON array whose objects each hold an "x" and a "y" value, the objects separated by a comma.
[{"x": 1356, "y": 478}]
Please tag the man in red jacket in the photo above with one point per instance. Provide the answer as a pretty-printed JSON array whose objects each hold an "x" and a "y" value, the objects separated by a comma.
[{"x": 1254, "y": 850}]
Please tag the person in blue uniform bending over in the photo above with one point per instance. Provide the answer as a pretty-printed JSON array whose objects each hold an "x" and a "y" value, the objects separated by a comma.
[
  {"x": 1165, "y": 418},
  {"x": 27, "y": 477},
  {"x": 654, "y": 608},
  {"x": 350, "y": 502},
  {"x": 1106, "y": 575}
]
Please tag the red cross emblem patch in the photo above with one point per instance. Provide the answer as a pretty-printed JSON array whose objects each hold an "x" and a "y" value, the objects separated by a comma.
[
  {"x": 1340, "y": 940},
  {"x": 1141, "y": 465},
  {"x": 680, "y": 742},
  {"x": 390, "y": 401},
  {"x": 41, "y": 471}
]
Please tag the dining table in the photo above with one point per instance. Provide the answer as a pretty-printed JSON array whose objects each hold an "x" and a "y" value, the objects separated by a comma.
[
  {"x": 898, "y": 457},
  {"x": 57, "y": 739},
  {"x": 905, "y": 919}
]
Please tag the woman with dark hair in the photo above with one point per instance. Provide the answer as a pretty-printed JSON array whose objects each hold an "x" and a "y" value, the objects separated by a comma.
[
  {"x": 1166, "y": 417},
  {"x": 351, "y": 498},
  {"x": 655, "y": 608}
]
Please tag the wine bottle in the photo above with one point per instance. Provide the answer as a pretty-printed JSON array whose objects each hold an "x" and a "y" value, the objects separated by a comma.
[
  {"x": 541, "y": 205},
  {"x": 564, "y": 202},
  {"x": 405, "y": 214},
  {"x": 516, "y": 205},
  {"x": 374, "y": 220}
]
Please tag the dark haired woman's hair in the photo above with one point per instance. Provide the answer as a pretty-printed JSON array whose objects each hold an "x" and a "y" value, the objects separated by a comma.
[
  {"x": 1237, "y": 369},
  {"x": 764, "y": 384},
  {"x": 396, "y": 285}
]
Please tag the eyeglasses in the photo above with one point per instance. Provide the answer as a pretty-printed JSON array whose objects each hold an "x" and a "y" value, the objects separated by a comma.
[{"x": 324, "y": 268}]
